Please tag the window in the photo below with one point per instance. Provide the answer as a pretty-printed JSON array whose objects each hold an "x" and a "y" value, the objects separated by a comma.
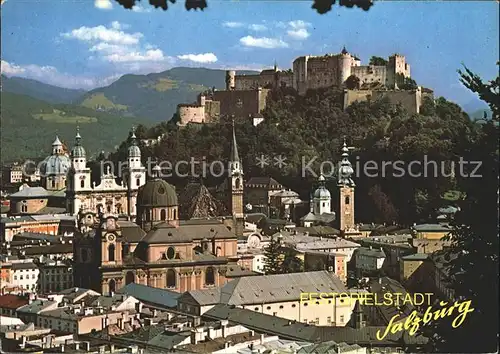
[
  {"x": 237, "y": 183},
  {"x": 293, "y": 305},
  {"x": 305, "y": 320},
  {"x": 15, "y": 277},
  {"x": 163, "y": 214},
  {"x": 129, "y": 278},
  {"x": 305, "y": 303},
  {"x": 138, "y": 182},
  {"x": 111, "y": 253},
  {"x": 82, "y": 183},
  {"x": 210, "y": 276},
  {"x": 171, "y": 278},
  {"x": 24, "y": 208},
  {"x": 275, "y": 313},
  {"x": 341, "y": 318},
  {"x": 317, "y": 321},
  {"x": 175, "y": 214},
  {"x": 170, "y": 253},
  {"x": 256, "y": 309},
  {"x": 347, "y": 200},
  {"x": 269, "y": 307},
  {"x": 281, "y": 306},
  {"x": 328, "y": 320}
]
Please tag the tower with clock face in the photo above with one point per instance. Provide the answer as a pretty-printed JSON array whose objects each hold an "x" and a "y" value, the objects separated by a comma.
[{"x": 111, "y": 246}]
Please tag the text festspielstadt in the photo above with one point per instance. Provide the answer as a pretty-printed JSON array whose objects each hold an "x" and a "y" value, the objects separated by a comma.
[{"x": 372, "y": 299}]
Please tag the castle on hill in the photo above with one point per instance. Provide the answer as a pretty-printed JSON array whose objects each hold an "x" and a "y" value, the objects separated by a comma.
[{"x": 245, "y": 95}]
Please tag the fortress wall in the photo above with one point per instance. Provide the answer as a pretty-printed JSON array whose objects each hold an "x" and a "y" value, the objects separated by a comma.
[
  {"x": 411, "y": 100},
  {"x": 191, "y": 113},
  {"x": 247, "y": 82},
  {"x": 322, "y": 72},
  {"x": 212, "y": 111},
  {"x": 252, "y": 101},
  {"x": 369, "y": 74}
]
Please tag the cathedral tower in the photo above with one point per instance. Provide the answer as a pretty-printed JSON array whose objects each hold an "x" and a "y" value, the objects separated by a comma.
[
  {"x": 134, "y": 175},
  {"x": 322, "y": 198},
  {"x": 346, "y": 189},
  {"x": 236, "y": 186},
  {"x": 54, "y": 168},
  {"x": 78, "y": 176}
]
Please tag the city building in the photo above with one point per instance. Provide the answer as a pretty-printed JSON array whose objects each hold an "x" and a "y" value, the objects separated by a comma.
[
  {"x": 51, "y": 224},
  {"x": 277, "y": 295},
  {"x": 369, "y": 259},
  {"x": 321, "y": 207},
  {"x": 36, "y": 200},
  {"x": 54, "y": 276},
  {"x": 25, "y": 275},
  {"x": 332, "y": 262}
]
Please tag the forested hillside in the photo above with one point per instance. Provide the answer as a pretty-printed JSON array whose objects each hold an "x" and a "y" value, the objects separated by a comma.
[
  {"x": 304, "y": 128},
  {"x": 29, "y": 127}
]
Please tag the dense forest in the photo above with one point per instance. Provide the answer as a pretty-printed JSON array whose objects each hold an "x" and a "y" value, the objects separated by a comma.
[{"x": 303, "y": 128}]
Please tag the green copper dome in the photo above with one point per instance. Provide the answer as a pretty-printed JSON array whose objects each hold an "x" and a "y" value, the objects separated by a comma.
[{"x": 157, "y": 193}]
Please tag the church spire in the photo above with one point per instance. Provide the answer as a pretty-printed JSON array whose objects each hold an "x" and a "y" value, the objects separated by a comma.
[
  {"x": 235, "y": 157},
  {"x": 133, "y": 137},
  {"x": 345, "y": 171}
]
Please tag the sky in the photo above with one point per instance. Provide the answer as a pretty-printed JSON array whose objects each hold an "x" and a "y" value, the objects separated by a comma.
[{"x": 90, "y": 43}]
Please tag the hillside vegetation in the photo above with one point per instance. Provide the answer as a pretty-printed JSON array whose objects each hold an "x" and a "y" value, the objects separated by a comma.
[
  {"x": 40, "y": 90},
  {"x": 312, "y": 128},
  {"x": 30, "y": 125}
]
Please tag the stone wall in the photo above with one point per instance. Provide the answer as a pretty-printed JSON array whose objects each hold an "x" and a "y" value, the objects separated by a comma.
[
  {"x": 411, "y": 100},
  {"x": 252, "y": 101}
]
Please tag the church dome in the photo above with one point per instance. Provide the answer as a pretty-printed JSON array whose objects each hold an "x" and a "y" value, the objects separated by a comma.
[
  {"x": 134, "y": 151},
  {"x": 322, "y": 193},
  {"x": 157, "y": 193},
  {"x": 55, "y": 165}
]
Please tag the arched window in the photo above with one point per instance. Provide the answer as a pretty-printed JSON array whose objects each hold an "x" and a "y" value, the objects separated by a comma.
[
  {"x": 171, "y": 278},
  {"x": 24, "y": 208},
  {"x": 175, "y": 214},
  {"x": 237, "y": 183},
  {"x": 138, "y": 182},
  {"x": 109, "y": 208},
  {"x": 125, "y": 250},
  {"x": 111, "y": 253},
  {"x": 347, "y": 200},
  {"x": 148, "y": 215},
  {"x": 112, "y": 286},
  {"x": 129, "y": 278},
  {"x": 53, "y": 183},
  {"x": 210, "y": 276},
  {"x": 163, "y": 214},
  {"x": 84, "y": 255},
  {"x": 82, "y": 183}
]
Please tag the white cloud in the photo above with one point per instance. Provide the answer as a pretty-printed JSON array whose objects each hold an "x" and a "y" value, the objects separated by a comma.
[
  {"x": 101, "y": 33},
  {"x": 233, "y": 24},
  {"x": 103, "y": 4},
  {"x": 119, "y": 26},
  {"x": 263, "y": 42},
  {"x": 299, "y": 34},
  {"x": 3, "y": 1},
  {"x": 139, "y": 8},
  {"x": 199, "y": 58},
  {"x": 52, "y": 76},
  {"x": 257, "y": 27},
  {"x": 298, "y": 30},
  {"x": 299, "y": 24},
  {"x": 11, "y": 69},
  {"x": 151, "y": 55}
]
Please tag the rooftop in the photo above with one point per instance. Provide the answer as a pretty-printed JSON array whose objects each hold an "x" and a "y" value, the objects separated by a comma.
[
  {"x": 150, "y": 295},
  {"x": 12, "y": 301}
]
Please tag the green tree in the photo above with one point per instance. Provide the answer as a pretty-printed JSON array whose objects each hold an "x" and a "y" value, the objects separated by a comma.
[
  {"x": 272, "y": 262},
  {"x": 474, "y": 272},
  {"x": 291, "y": 263},
  {"x": 378, "y": 61},
  {"x": 321, "y": 6},
  {"x": 352, "y": 82}
]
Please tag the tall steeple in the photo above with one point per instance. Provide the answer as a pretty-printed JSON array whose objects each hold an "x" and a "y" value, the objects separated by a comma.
[
  {"x": 345, "y": 170},
  {"x": 135, "y": 175},
  {"x": 346, "y": 190},
  {"x": 235, "y": 184}
]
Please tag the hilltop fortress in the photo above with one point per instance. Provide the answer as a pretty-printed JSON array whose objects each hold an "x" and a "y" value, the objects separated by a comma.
[{"x": 245, "y": 95}]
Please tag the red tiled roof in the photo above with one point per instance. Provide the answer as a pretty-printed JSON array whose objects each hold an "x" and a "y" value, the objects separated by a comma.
[{"x": 12, "y": 301}]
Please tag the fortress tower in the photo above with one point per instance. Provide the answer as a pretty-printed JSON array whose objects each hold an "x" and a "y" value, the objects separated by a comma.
[
  {"x": 345, "y": 64},
  {"x": 230, "y": 79}
]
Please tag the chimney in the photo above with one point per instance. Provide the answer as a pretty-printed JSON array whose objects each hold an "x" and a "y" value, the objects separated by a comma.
[
  {"x": 102, "y": 349},
  {"x": 223, "y": 324},
  {"x": 86, "y": 346}
]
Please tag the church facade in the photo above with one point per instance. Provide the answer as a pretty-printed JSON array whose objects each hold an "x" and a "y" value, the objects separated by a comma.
[
  {"x": 159, "y": 249},
  {"x": 113, "y": 198}
]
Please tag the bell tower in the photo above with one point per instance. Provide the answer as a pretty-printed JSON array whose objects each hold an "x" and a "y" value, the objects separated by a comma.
[
  {"x": 346, "y": 190},
  {"x": 135, "y": 175},
  {"x": 78, "y": 177},
  {"x": 236, "y": 186}
]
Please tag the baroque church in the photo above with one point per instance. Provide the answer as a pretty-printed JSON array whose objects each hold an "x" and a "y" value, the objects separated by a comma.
[{"x": 159, "y": 249}]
